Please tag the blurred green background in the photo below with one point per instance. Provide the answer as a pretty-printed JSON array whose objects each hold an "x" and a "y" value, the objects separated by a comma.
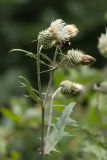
[{"x": 20, "y": 23}]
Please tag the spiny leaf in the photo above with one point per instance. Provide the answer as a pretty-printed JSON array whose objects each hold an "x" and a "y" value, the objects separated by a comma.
[
  {"x": 32, "y": 92},
  {"x": 58, "y": 129}
]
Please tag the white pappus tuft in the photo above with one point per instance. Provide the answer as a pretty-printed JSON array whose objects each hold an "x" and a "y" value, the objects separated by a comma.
[{"x": 57, "y": 33}]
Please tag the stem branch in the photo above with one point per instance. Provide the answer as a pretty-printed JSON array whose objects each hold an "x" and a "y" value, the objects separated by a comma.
[
  {"x": 51, "y": 74},
  {"x": 50, "y": 113}
]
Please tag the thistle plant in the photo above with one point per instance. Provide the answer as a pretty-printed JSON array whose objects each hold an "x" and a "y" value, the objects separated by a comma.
[{"x": 55, "y": 36}]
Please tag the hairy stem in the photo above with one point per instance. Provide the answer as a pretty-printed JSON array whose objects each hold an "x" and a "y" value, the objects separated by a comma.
[
  {"x": 56, "y": 67},
  {"x": 40, "y": 94},
  {"x": 49, "y": 85},
  {"x": 51, "y": 110},
  {"x": 51, "y": 74},
  {"x": 38, "y": 68},
  {"x": 42, "y": 135}
]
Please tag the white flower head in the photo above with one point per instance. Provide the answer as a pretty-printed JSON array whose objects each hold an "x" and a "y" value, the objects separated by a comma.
[
  {"x": 56, "y": 25},
  {"x": 56, "y": 28},
  {"x": 70, "y": 31},
  {"x": 57, "y": 33},
  {"x": 61, "y": 31},
  {"x": 102, "y": 44}
]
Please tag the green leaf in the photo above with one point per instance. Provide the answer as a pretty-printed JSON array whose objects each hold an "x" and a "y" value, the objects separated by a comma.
[
  {"x": 58, "y": 129},
  {"x": 32, "y": 92},
  {"x": 32, "y": 55},
  {"x": 27, "y": 53}
]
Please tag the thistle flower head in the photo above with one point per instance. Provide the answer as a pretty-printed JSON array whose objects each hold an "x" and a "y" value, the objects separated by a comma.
[
  {"x": 58, "y": 32},
  {"x": 56, "y": 28},
  {"x": 102, "y": 87},
  {"x": 77, "y": 58},
  {"x": 70, "y": 31},
  {"x": 102, "y": 44},
  {"x": 57, "y": 25},
  {"x": 70, "y": 88},
  {"x": 46, "y": 39},
  {"x": 61, "y": 31}
]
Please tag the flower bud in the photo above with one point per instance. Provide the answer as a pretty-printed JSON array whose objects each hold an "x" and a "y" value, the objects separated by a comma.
[
  {"x": 102, "y": 44},
  {"x": 46, "y": 39},
  {"x": 77, "y": 58},
  {"x": 70, "y": 88}
]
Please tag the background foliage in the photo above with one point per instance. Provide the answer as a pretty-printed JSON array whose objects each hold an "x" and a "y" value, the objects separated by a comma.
[{"x": 20, "y": 22}]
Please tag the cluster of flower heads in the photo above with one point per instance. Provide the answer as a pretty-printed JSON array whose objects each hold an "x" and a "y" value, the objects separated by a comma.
[
  {"x": 58, "y": 32},
  {"x": 102, "y": 44},
  {"x": 70, "y": 88}
]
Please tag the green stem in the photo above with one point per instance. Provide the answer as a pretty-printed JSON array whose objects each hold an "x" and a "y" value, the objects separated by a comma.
[
  {"x": 40, "y": 94},
  {"x": 58, "y": 66},
  {"x": 42, "y": 135},
  {"x": 38, "y": 69},
  {"x": 51, "y": 110},
  {"x": 51, "y": 74}
]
